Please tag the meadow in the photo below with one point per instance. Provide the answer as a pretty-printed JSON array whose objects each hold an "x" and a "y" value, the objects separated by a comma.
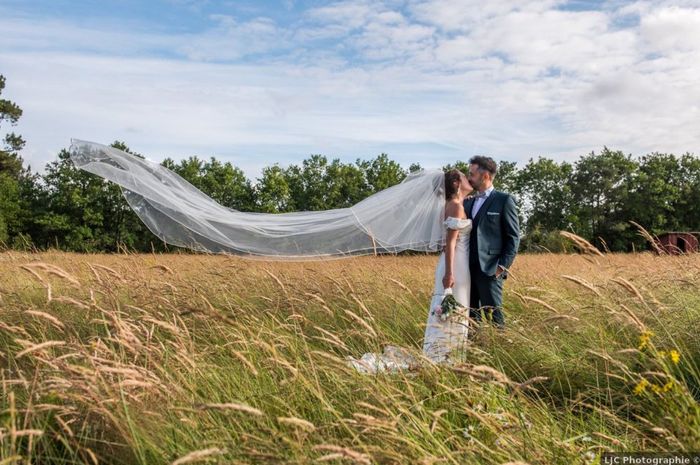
[{"x": 193, "y": 358}]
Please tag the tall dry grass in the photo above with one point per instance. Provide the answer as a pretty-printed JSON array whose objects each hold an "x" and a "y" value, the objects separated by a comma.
[{"x": 157, "y": 359}]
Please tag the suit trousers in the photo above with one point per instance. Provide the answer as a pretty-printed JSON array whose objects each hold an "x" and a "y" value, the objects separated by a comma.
[{"x": 486, "y": 295}]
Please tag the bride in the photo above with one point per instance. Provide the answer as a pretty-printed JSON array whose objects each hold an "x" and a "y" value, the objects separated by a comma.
[
  {"x": 422, "y": 213},
  {"x": 442, "y": 339}
]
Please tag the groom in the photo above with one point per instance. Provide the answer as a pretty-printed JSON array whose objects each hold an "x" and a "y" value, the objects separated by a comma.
[{"x": 493, "y": 242}]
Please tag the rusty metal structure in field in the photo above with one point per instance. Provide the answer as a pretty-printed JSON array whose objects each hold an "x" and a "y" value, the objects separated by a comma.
[{"x": 679, "y": 242}]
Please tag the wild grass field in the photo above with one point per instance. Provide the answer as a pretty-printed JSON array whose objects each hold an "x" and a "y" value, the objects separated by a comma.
[{"x": 180, "y": 358}]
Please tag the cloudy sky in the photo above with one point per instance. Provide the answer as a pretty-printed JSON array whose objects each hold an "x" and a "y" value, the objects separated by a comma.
[{"x": 430, "y": 81}]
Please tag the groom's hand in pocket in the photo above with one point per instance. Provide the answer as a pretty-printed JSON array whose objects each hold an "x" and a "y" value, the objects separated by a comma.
[{"x": 448, "y": 281}]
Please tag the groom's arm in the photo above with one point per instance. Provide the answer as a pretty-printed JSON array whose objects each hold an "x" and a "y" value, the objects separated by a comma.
[{"x": 511, "y": 232}]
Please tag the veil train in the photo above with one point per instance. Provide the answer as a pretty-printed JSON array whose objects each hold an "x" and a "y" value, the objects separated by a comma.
[{"x": 406, "y": 216}]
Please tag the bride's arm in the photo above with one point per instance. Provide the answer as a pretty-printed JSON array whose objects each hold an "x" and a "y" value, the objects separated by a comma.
[
  {"x": 450, "y": 244},
  {"x": 451, "y": 209}
]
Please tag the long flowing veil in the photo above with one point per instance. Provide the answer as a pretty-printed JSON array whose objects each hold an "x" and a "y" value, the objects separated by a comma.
[{"x": 406, "y": 216}]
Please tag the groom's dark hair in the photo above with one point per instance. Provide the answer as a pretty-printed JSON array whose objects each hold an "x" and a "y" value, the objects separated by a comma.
[{"x": 485, "y": 164}]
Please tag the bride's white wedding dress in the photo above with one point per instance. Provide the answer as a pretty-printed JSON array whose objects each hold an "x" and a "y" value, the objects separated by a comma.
[{"x": 442, "y": 338}]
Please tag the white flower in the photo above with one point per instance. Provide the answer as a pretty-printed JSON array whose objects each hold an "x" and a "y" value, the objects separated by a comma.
[{"x": 467, "y": 432}]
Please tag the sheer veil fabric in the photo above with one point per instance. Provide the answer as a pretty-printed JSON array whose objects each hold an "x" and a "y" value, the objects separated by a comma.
[{"x": 407, "y": 216}]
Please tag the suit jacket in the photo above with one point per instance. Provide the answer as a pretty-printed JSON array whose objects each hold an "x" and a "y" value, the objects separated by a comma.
[{"x": 495, "y": 234}]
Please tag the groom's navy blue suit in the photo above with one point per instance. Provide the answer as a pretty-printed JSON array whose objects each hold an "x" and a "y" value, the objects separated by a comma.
[{"x": 494, "y": 241}]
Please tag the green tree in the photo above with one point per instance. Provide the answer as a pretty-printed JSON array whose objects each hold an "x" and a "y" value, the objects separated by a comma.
[
  {"x": 463, "y": 166},
  {"x": 543, "y": 185},
  {"x": 223, "y": 182},
  {"x": 656, "y": 193},
  {"x": 600, "y": 188},
  {"x": 272, "y": 192},
  {"x": 10, "y": 160},
  {"x": 228, "y": 185},
  {"x": 26, "y": 225},
  {"x": 320, "y": 185},
  {"x": 9, "y": 206},
  {"x": 71, "y": 215},
  {"x": 12, "y": 173},
  {"x": 308, "y": 184},
  {"x": 506, "y": 177},
  {"x": 381, "y": 172},
  {"x": 346, "y": 185},
  {"x": 77, "y": 210},
  {"x": 688, "y": 207}
]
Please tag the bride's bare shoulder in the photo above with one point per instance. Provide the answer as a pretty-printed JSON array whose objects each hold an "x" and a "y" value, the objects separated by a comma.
[{"x": 454, "y": 209}]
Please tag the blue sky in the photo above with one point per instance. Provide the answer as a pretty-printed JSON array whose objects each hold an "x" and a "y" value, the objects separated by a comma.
[{"x": 428, "y": 81}]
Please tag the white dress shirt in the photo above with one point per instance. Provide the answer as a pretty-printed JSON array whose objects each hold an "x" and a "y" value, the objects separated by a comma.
[{"x": 480, "y": 201}]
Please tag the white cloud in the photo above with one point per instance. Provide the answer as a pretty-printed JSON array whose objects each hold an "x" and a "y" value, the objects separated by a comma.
[
  {"x": 175, "y": 108},
  {"x": 231, "y": 39},
  {"x": 30, "y": 35},
  {"x": 464, "y": 15},
  {"x": 349, "y": 14},
  {"x": 672, "y": 30},
  {"x": 432, "y": 82}
]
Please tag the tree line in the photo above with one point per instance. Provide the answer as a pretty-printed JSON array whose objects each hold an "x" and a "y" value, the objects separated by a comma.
[{"x": 596, "y": 196}]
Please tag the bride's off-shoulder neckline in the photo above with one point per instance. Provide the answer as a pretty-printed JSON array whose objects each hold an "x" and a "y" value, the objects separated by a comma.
[{"x": 456, "y": 223}]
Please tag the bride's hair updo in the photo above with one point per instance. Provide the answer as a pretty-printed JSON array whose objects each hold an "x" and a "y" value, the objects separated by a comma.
[{"x": 450, "y": 177}]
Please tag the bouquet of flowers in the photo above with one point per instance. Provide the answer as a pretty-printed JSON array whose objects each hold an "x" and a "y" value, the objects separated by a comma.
[{"x": 447, "y": 307}]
